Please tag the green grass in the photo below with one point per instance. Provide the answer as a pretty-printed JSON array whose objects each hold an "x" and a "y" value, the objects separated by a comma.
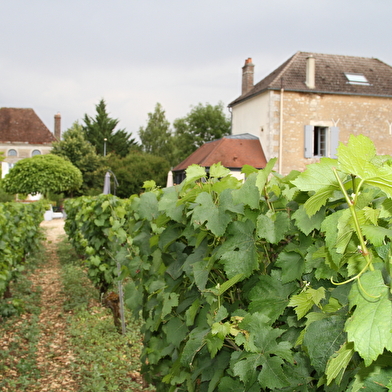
[
  {"x": 19, "y": 334},
  {"x": 105, "y": 360}
]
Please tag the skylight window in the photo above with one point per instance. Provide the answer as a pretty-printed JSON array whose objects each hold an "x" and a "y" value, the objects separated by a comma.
[{"x": 354, "y": 78}]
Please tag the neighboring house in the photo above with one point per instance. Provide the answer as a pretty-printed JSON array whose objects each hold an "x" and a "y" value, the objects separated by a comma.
[
  {"x": 23, "y": 135},
  {"x": 233, "y": 152},
  {"x": 303, "y": 109}
]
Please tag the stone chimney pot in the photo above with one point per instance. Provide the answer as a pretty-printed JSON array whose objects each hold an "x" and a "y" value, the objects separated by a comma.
[
  {"x": 247, "y": 76},
  {"x": 57, "y": 126}
]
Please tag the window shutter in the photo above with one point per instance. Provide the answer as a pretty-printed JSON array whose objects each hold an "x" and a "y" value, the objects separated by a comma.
[
  {"x": 334, "y": 141},
  {"x": 309, "y": 141}
]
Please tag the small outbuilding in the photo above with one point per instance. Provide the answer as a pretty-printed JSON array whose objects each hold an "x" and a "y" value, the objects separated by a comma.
[{"x": 233, "y": 152}]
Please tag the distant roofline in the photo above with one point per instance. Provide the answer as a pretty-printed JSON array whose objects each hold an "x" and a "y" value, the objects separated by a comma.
[
  {"x": 277, "y": 74},
  {"x": 237, "y": 101}
]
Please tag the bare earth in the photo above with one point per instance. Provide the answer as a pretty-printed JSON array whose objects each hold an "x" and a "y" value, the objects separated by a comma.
[{"x": 53, "y": 355}]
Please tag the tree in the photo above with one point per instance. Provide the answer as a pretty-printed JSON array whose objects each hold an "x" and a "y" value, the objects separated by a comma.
[
  {"x": 82, "y": 154},
  {"x": 156, "y": 137},
  {"x": 204, "y": 123},
  {"x": 135, "y": 168},
  {"x": 102, "y": 127},
  {"x": 43, "y": 174}
]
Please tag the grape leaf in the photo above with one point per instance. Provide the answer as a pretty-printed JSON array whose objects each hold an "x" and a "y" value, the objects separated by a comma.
[
  {"x": 238, "y": 253},
  {"x": 217, "y": 170},
  {"x": 216, "y": 218},
  {"x": 308, "y": 223},
  {"x": 263, "y": 174},
  {"x": 148, "y": 207},
  {"x": 270, "y": 297},
  {"x": 175, "y": 331},
  {"x": 272, "y": 375},
  {"x": 194, "y": 173},
  {"x": 168, "y": 204},
  {"x": 338, "y": 364},
  {"x": 292, "y": 265},
  {"x": 371, "y": 323},
  {"x": 318, "y": 176},
  {"x": 354, "y": 158},
  {"x": 228, "y": 384},
  {"x": 170, "y": 300},
  {"x": 322, "y": 338},
  {"x": 304, "y": 301},
  {"x": 376, "y": 234},
  {"x": 273, "y": 228},
  {"x": 248, "y": 194}
]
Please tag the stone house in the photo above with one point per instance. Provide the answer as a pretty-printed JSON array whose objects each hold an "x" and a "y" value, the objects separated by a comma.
[
  {"x": 310, "y": 103},
  {"x": 23, "y": 135},
  {"x": 233, "y": 152}
]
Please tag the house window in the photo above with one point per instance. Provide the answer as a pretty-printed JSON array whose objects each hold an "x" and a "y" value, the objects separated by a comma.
[
  {"x": 36, "y": 152},
  {"x": 12, "y": 153},
  {"x": 321, "y": 141},
  {"x": 354, "y": 78}
]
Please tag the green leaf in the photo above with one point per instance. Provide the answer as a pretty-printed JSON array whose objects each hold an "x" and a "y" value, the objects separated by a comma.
[
  {"x": 216, "y": 218},
  {"x": 376, "y": 377},
  {"x": 148, "y": 207},
  {"x": 304, "y": 301},
  {"x": 270, "y": 297},
  {"x": 246, "y": 367},
  {"x": 292, "y": 265},
  {"x": 248, "y": 194},
  {"x": 322, "y": 338},
  {"x": 193, "y": 345},
  {"x": 273, "y": 228},
  {"x": 318, "y": 176},
  {"x": 358, "y": 152},
  {"x": 355, "y": 158},
  {"x": 194, "y": 173},
  {"x": 214, "y": 343},
  {"x": 175, "y": 331},
  {"x": 345, "y": 231},
  {"x": 338, "y": 364},
  {"x": 168, "y": 204},
  {"x": 170, "y": 300},
  {"x": 376, "y": 234},
  {"x": 228, "y": 384},
  {"x": 238, "y": 253},
  {"x": 217, "y": 170},
  {"x": 307, "y": 224},
  {"x": 370, "y": 326},
  {"x": 272, "y": 374},
  {"x": 263, "y": 174},
  {"x": 229, "y": 283}
]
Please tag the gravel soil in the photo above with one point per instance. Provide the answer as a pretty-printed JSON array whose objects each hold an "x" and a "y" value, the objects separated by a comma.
[{"x": 53, "y": 354}]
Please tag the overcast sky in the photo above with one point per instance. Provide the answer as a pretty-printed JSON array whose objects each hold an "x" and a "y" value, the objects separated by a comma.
[{"x": 65, "y": 55}]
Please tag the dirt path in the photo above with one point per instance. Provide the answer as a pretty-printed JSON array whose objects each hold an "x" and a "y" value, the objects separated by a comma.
[{"x": 54, "y": 357}]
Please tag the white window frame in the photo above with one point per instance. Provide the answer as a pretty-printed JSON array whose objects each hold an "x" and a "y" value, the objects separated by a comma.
[
  {"x": 331, "y": 142},
  {"x": 36, "y": 151}
]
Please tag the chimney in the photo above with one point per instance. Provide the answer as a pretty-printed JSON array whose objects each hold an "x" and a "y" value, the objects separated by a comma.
[
  {"x": 57, "y": 126},
  {"x": 311, "y": 72},
  {"x": 247, "y": 76}
]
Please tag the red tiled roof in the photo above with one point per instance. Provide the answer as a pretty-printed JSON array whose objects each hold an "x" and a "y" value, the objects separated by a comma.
[
  {"x": 330, "y": 76},
  {"x": 232, "y": 151},
  {"x": 23, "y": 125}
]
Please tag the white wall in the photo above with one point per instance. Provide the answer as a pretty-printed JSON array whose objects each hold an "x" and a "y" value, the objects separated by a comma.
[{"x": 253, "y": 116}]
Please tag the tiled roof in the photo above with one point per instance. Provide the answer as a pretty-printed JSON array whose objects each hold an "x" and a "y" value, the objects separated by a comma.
[
  {"x": 23, "y": 125},
  {"x": 233, "y": 152},
  {"x": 330, "y": 76}
]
